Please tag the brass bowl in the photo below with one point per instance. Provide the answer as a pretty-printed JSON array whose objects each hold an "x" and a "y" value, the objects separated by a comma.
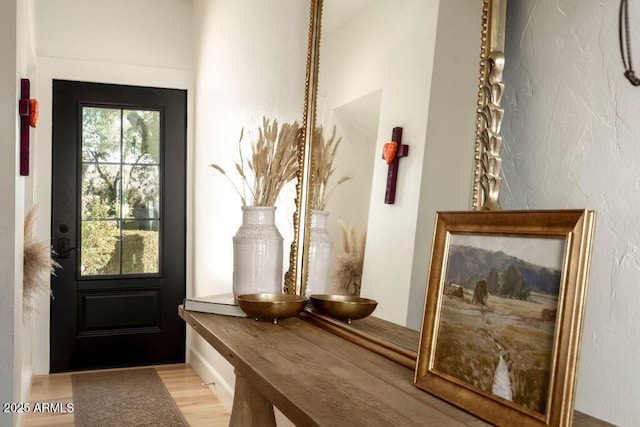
[
  {"x": 343, "y": 307},
  {"x": 271, "y": 307}
]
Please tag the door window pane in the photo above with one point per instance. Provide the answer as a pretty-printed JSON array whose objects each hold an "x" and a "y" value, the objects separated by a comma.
[
  {"x": 100, "y": 247},
  {"x": 141, "y": 135},
  {"x": 140, "y": 246},
  {"x": 101, "y": 134},
  {"x": 120, "y": 191},
  {"x": 100, "y": 191},
  {"x": 141, "y": 186}
]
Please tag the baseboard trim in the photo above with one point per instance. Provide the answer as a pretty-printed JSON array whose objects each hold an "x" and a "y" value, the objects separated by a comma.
[
  {"x": 216, "y": 383},
  {"x": 26, "y": 378}
]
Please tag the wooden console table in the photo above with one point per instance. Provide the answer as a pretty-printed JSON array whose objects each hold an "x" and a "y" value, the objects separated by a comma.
[{"x": 316, "y": 378}]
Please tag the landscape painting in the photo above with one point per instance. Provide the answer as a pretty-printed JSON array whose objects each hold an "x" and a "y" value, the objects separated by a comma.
[
  {"x": 504, "y": 311},
  {"x": 498, "y": 313}
]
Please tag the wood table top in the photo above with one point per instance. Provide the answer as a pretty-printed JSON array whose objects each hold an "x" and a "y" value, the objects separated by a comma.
[{"x": 316, "y": 378}]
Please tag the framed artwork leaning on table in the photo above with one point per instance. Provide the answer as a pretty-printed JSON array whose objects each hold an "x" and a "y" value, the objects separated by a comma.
[{"x": 503, "y": 317}]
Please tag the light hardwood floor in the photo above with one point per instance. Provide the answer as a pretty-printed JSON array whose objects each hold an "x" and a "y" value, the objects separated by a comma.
[{"x": 197, "y": 403}]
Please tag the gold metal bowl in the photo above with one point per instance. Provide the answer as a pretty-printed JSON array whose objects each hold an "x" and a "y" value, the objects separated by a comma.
[
  {"x": 343, "y": 307},
  {"x": 271, "y": 307}
]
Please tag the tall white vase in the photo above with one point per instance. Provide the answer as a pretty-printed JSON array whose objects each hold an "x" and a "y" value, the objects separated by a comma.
[
  {"x": 257, "y": 253},
  {"x": 320, "y": 247}
]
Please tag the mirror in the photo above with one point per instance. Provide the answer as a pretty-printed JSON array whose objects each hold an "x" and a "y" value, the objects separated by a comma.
[{"x": 413, "y": 64}]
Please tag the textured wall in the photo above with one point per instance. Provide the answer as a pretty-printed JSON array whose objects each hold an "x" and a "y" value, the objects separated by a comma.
[{"x": 571, "y": 141}]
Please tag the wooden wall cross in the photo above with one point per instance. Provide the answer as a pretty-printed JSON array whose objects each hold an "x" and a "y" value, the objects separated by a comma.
[
  {"x": 23, "y": 109},
  {"x": 28, "y": 110},
  {"x": 392, "y": 151}
]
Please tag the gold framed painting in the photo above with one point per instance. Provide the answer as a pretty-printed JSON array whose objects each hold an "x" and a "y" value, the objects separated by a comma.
[{"x": 503, "y": 316}]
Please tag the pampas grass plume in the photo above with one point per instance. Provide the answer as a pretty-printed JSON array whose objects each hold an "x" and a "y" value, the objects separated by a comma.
[
  {"x": 347, "y": 276},
  {"x": 38, "y": 265},
  {"x": 273, "y": 163},
  {"x": 323, "y": 152}
]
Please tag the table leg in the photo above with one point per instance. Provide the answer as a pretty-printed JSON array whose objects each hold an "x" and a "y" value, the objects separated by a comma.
[{"x": 250, "y": 408}]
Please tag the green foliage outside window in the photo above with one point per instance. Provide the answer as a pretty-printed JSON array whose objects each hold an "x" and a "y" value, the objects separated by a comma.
[
  {"x": 99, "y": 239},
  {"x": 120, "y": 191}
]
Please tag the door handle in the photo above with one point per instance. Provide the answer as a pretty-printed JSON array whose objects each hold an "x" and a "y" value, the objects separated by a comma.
[{"x": 62, "y": 247}]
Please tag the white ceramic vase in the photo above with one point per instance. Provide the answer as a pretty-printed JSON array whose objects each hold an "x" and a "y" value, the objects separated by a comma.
[
  {"x": 257, "y": 253},
  {"x": 320, "y": 247}
]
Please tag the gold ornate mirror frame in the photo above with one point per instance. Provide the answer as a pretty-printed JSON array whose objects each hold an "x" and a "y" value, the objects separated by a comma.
[
  {"x": 487, "y": 161},
  {"x": 296, "y": 276}
]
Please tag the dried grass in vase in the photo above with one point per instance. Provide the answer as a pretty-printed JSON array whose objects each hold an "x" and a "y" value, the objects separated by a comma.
[
  {"x": 347, "y": 276},
  {"x": 273, "y": 163},
  {"x": 323, "y": 153},
  {"x": 37, "y": 264}
]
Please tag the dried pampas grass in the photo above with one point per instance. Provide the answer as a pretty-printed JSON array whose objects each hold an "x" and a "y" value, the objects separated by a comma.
[
  {"x": 37, "y": 265},
  {"x": 323, "y": 154},
  {"x": 273, "y": 163},
  {"x": 347, "y": 276}
]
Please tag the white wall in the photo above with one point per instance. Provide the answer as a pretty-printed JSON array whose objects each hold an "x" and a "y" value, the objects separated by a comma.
[
  {"x": 150, "y": 33},
  {"x": 251, "y": 60},
  {"x": 26, "y": 69},
  {"x": 15, "y": 49},
  {"x": 571, "y": 141},
  {"x": 137, "y": 51},
  {"x": 250, "y": 63},
  {"x": 9, "y": 271}
]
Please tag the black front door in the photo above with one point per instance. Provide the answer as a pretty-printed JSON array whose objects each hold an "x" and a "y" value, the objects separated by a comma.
[{"x": 118, "y": 225}]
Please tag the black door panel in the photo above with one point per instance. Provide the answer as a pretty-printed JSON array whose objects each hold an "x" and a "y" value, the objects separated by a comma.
[{"x": 118, "y": 225}]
